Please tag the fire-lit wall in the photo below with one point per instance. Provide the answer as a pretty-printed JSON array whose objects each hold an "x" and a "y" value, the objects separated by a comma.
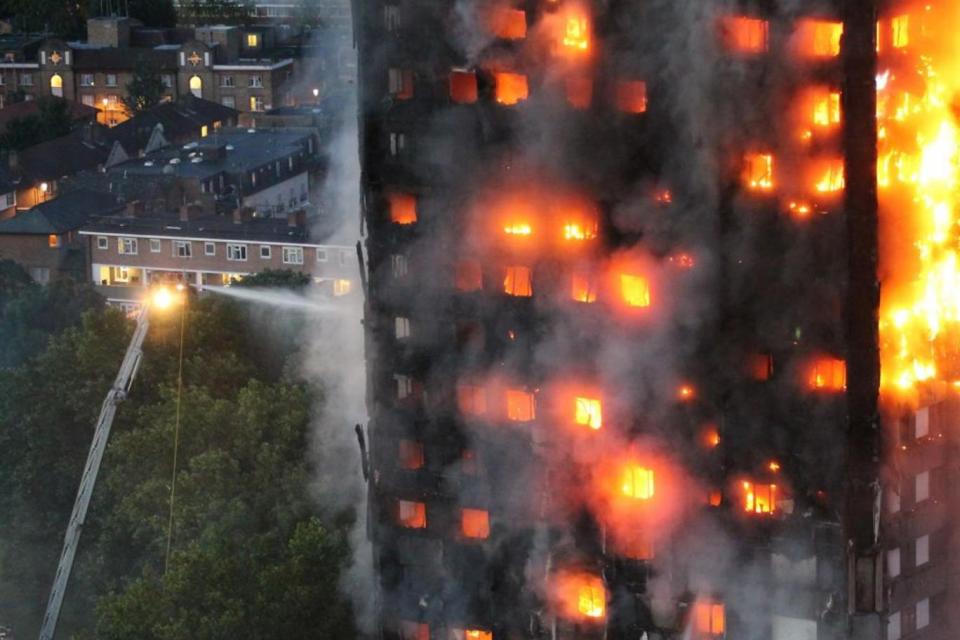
[{"x": 609, "y": 321}]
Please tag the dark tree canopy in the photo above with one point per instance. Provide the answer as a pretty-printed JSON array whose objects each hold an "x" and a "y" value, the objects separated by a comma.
[
  {"x": 145, "y": 90},
  {"x": 52, "y": 120}
]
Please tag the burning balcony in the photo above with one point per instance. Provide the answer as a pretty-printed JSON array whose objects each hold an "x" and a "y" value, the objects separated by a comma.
[
  {"x": 759, "y": 497},
  {"x": 463, "y": 86},
  {"x": 819, "y": 39},
  {"x": 411, "y": 514},
  {"x": 757, "y": 174},
  {"x": 708, "y": 620},
  {"x": 475, "y": 523},
  {"x": 469, "y": 276},
  {"x": 508, "y": 23},
  {"x": 630, "y": 96},
  {"x": 403, "y": 208},
  {"x": 828, "y": 374},
  {"x": 518, "y": 281},
  {"x": 744, "y": 35},
  {"x": 410, "y": 455},
  {"x": 510, "y": 88},
  {"x": 579, "y": 596},
  {"x": 521, "y": 405}
]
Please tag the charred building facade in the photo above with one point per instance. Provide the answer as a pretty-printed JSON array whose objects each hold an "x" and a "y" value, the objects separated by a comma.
[{"x": 624, "y": 325}]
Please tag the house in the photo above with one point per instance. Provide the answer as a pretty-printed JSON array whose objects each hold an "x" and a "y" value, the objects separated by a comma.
[{"x": 45, "y": 240}]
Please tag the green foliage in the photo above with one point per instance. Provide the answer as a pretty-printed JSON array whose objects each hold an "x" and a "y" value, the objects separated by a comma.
[
  {"x": 52, "y": 121},
  {"x": 145, "y": 90},
  {"x": 283, "y": 278}
]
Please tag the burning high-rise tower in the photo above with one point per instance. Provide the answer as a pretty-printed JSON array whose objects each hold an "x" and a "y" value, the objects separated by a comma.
[{"x": 624, "y": 326}]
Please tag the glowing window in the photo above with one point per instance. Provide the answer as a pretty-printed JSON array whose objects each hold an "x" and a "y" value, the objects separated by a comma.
[
  {"x": 475, "y": 523},
  {"x": 831, "y": 177},
  {"x": 53, "y": 241},
  {"x": 414, "y": 631},
  {"x": 580, "y": 230},
  {"x": 518, "y": 229},
  {"x": 829, "y": 374},
  {"x": 820, "y": 38},
  {"x": 637, "y": 483},
  {"x": 341, "y": 286},
  {"x": 510, "y": 88},
  {"x": 592, "y": 598},
  {"x": 412, "y": 515},
  {"x": 579, "y": 91},
  {"x": 745, "y": 35},
  {"x": 521, "y": 405},
  {"x": 582, "y": 288},
  {"x": 471, "y": 634},
  {"x": 469, "y": 276},
  {"x": 759, "y": 498},
  {"x": 196, "y": 86},
  {"x": 900, "y": 31},
  {"x": 509, "y": 24},
  {"x": 411, "y": 455},
  {"x": 576, "y": 35},
  {"x": 588, "y": 412},
  {"x": 518, "y": 282},
  {"x": 758, "y": 171},
  {"x": 635, "y": 290},
  {"x": 631, "y": 96},
  {"x": 463, "y": 87},
  {"x": 253, "y": 40},
  {"x": 471, "y": 400},
  {"x": 403, "y": 208},
  {"x": 709, "y": 619},
  {"x": 826, "y": 108}
]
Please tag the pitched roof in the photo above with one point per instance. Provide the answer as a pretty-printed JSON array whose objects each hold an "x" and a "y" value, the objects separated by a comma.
[
  {"x": 78, "y": 112},
  {"x": 181, "y": 120},
  {"x": 63, "y": 156},
  {"x": 65, "y": 213}
]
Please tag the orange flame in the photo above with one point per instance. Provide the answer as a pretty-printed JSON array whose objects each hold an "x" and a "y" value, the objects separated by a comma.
[
  {"x": 758, "y": 171},
  {"x": 709, "y": 618},
  {"x": 631, "y": 96},
  {"x": 411, "y": 514},
  {"x": 463, "y": 87},
  {"x": 509, "y": 24},
  {"x": 828, "y": 374},
  {"x": 580, "y": 596},
  {"x": 576, "y": 35},
  {"x": 820, "y": 38},
  {"x": 510, "y": 88},
  {"x": 583, "y": 288},
  {"x": 635, "y": 290},
  {"x": 403, "y": 208},
  {"x": 745, "y": 35},
  {"x": 475, "y": 523},
  {"x": 759, "y": 498},
  {"x": 637, "y": 482},
  {"x": 588, "y": 412}
]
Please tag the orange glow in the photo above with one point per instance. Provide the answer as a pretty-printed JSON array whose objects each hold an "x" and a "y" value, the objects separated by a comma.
[
  {"x": 510, "y": 88},
  {"x": 463, "y": 87},
  {"x": 471, "y": 400},
  {"x": 518, "y": 229},
  {"x": 774, "y": 466},
  {"x": 635, "y": 290},
  {"x": 799, "y": 209},
  {"x": 412, "y": 515},
  {"x": 631, "y": 96},
  {"x": 509, "y": 24},
  {"x": 711, "y": 437},
  {"x": 521, "y": 405},
  {"x": 715, "y": 498},
  {"x": 760, "y": 366},
  {"x": 709, "y": 619},
  {"x": 518, "y": 282},
  {"x": 759, "y": 498},
  {"x": 580, "y": 596},
  {"x": 582, "y": 288},
  {"x": 831, "y": 177},
  {"x": 825, "y": 107},
  {"x": 745, "y": 35},
  {"x": 686, "y": 392},
  {"x": 828, "y": 374},
  {"x": 637, "y": 483},
  {"x": 411, "y": 455},
  {"x": 900, "y": 31},
  {"x": 475, "y": 523},
  {"x": 683, "y": 260},
  {"x": 579, "y": 231},
  {"x": 475, "y": 634},
  {"x": 820, "y": 38},
  {"x": 576, "y": 36},
  {"x": 403, "y": 208},
  {"x": 588, "y": 412},
  {"x": 414, "y": 631},
  {"x": 469, "y": 276},
  {"x": 758, "y": 171},
  {"x": 663, "y": 196},
  {"x": 579, "y": 91},
  {"x": 636, "y": 547}
]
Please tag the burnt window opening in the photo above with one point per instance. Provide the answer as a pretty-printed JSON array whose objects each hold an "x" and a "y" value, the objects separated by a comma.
[
  {"x": 630, "y": 96},
  {"x": 403, "y": 208},
  {"x": 521, "y": 405},
  {"x": 757, "y": 172},
  {"x": 518, "y": 281},
  {"x": 819, "y": 39},
  {"x": 413, "y": 630},
  {"x": 510, "y": 88},
  {"x": 402, "y": 327},
  {"x": 411, "y": 514},
  {"x": 708, "y": 620},
  {"x": 410, "y": 455},
  {"x": 745, "y": 35},
  {"x": 469, "y": 334},
  {"x": 398, "y": 142},
  {"x": 759, "y": 497},
  {"x": 579, "y": 91},
  {"x": 475, "y": 523},
  {"x": 635, "y": 290},
  {"x": 399, "y": 266},
  {"x": 828, "y": 375},
  {"x": 760, "y": 367},
  {"x": 588, "y": 412},
  {"x": 463, "y": 86},
  {"x": 583, "y": 287},
  {"x": 391, "y": 18},
  {"x": 471, "y": 399},
  {"x": 469, "y": 276},
  {"x": 829, "y": 176},
  {"x": 404, "y": 386},
  {"x": 470, "y": 634},
  {"x": 508, "y": 23},
  {"x": 400, "y": 83}
]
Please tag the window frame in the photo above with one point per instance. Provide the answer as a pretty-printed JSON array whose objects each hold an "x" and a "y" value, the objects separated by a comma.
[
  {"x": 182, "y": 249},
  {"x": 209, "y": 248},
  {"x": 294, "y": 251},
  {"x": 103, "y": 243},
  {"x": 236, "y": 252},
  {"x": 128, "y": 246},
  {"x": 266, "y": 252}
]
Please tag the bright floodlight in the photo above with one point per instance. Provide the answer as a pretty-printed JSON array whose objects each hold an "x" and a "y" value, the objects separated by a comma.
[{"x": 161, "y": 298}]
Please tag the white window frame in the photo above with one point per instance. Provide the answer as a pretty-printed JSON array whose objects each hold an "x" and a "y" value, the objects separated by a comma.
[
  {"x": 922, "y": 550},
  {"x": 923, "y": 614},
  {"x": 893, "y": 626},
  {"x": 402, "y": 327},
  {"x": 227, "y": 81},
  {"x": 922, "y": 487},
  {"x": 127, "y": 246},
  {"x": 399, "y": 266},
  {"x": 236, "y": 252},
  {"x": 893, "y": 562},
  {"x": 155, "y": 245},
  {"x": 209, "y": 248},
  {"x": 266, "y": 252},
  {"x": 255, "y": 81},
  {"x": 26, "y": 79},
  {"x": 321, "y": 255},
  {"x": 404, "y": 385},
  {"x": 182, "y": 249},
  {"x": 293, "y": 255},
  {"x": 921, "y": 424},
  {"x": 103, "y": 242}
]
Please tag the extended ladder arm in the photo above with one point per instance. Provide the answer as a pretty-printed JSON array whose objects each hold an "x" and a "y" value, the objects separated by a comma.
[{"x": 117, "y": 393}]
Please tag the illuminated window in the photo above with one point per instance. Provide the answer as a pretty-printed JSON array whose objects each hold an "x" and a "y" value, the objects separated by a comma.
[
  {"x": 582, "y": 288},
  {"x": 631, "y": 96},
  {"x": 587, "y": 412},
  {"x": 709, "y": 620},
  {"x": 579, "y": 91},
  {"x": 469, "y": 276},
  {"x": 829, "y": 374},
  {"x": 53, "y": 241},
  {"x": 412, "y": 515},
  {"x": 518, "y": 229},
  {"x": 510, "y": 88},
  {"x": 635, "y": 290},
  {"x": 576, "y": 34},
  {"x": 745, "y": 35},
  {"x": 196, "y": 86},
  {"x": 831, "y": 177},
  {"x": 401, "y": 327},
  {"x": 900, "y": 31},
  {"x": 820, "y": 38},
  {"x": 341, "y": 286},
  {"x": 759, "y": 498},
  {"x": 475, "y": 523},
  {"x": 758, "y": 171},
  {"x": 826, "y": 108},
  {"x": 403, "y": 208},
  {"x": 637, "y": 482},
  {"x": 592, "y": 598},
  {"x": 470, "y": 634},
  {"x": 471, "y": 400},
  {"x": 463, "y": 87},
  {"x": 414, "y": 631},
  {"x": 580, "y": 230},
  {"x": 518, "y": 282},
  {"x": 400, "y": 83},
  {"x": 56, "y": 85},
  {"x": 204, "y": 131},
  {"x": 253, "y": 40},
  {"x": 521, "y": 405},
  {"x": 509, "y": 24},
  {"x": 410, "y": 455}
]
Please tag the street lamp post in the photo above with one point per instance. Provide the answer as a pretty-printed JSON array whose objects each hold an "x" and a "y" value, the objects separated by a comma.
[{"x": 161, "y": 299}]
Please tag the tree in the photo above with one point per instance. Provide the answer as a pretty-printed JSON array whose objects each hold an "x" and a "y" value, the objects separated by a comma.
[
  {"x": 66, "y": 19},
  {"x": 282, "y": 278},
  {"x": 52, "y": 120},
  {"x": 145, "y": 90}
]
